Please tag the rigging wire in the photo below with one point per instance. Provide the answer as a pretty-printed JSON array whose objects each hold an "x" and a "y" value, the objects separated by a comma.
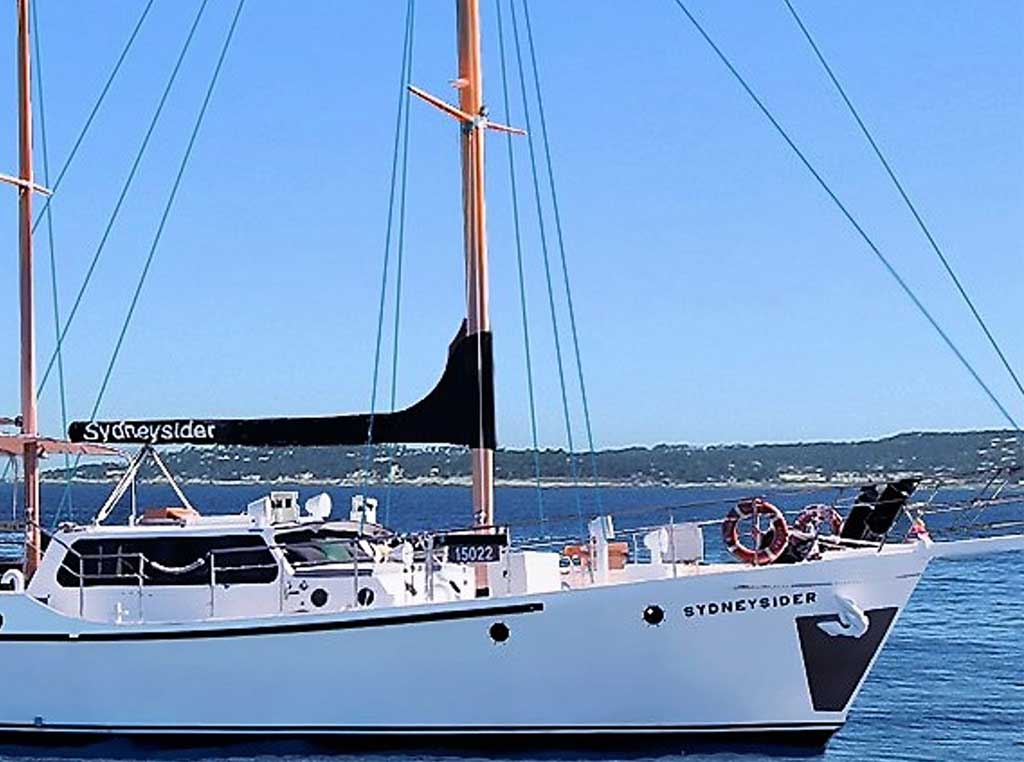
[
  {"x": 124, "y": 191},
  {"x": 92, "y": 112},
  {"x": 906, "y": 198},
  {"x": 49, "y": 234},
  {"x": 534, "y": 172},
  {"x": 561, "y": 251},
  {"x": 519, "y": 260},
  {"x": 71, "y": 155},
  {"x": 890, "y": 268},
  {"x": 403, "y": 105},
  {"x": 164, "y": 216},
  {"x": 400, "y": 249}
]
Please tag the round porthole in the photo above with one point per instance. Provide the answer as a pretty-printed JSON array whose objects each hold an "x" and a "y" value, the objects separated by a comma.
[
  {"x": 499, "y": 632},
  {"x": 365, "y": 596},
  {"x": 654, "y": 615},
  {"x": 318, "y": 597}
]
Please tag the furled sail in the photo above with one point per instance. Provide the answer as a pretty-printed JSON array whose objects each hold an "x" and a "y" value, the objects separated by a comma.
[
  {"x": 458, "y": 411},
  {"x": 876, "y": 509}
]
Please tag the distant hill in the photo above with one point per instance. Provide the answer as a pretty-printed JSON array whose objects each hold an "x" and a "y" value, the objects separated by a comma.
[{"x": 964, "y": 456}]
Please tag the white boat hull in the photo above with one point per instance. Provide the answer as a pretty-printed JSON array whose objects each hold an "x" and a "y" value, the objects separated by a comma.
[{"x": 738, "y": 656}]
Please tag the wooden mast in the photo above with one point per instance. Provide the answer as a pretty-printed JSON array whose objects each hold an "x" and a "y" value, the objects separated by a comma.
[
  {"x": 470, "y": 84},
  {"x": 472, "y": 117},
  {"x": 26, "y": 186}
]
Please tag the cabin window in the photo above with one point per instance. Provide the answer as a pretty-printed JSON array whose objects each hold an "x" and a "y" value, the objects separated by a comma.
[
  {"x": 310, "y": 547},
  {"x": 168, "y": 561}
]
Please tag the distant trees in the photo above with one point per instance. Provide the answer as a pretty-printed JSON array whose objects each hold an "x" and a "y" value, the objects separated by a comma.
[{"x": 953, "y": 454}]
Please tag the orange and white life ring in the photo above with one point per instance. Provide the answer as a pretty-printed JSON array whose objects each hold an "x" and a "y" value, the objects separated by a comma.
[
  {"x": 820, "y": 519},
  {"x": 753, "y": 509}
]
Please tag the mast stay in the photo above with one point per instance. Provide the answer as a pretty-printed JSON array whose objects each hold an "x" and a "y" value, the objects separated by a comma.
[
  {"x": 29, "y": 444},
  {"x": 460, "y": 409}
]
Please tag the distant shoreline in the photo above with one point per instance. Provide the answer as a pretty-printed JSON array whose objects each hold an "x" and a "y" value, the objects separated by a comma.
[
  {"x": 545, "y": 483},
  {"x": 958, "y": 459}
]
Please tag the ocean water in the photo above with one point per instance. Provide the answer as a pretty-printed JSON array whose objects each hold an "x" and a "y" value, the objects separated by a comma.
[{"x": 949, "y": 684}]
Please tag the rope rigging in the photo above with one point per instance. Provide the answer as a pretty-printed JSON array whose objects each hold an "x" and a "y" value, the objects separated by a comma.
[
  {"x": 889, "y": 267},
  {"x": 906, "y": 198},
  {"x": 92, "y": 112},
  {"x": 561, "y": 251},
  {"x": 399, "y": 152},
  {"x": 398, "y": 188},
  {"x": 519, "y": 262},
  {"x": 166, "y": 211},
  {"x": 44, "y": 211},
  {"x": 539, "y": 204},
  {"x": 400, "y": 249},
  {"x": 124, "y": 191}
]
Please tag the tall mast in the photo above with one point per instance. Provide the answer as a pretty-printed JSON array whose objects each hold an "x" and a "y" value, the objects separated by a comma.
[
  {"x": 472, "y": 117},
  {"x": 470, "y": 84},
  {"x": 29, "y": 423}
]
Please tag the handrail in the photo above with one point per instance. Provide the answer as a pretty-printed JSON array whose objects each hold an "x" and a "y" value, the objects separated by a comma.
[
  {"x": 355, "y": 545},
  {"x": 419, "y": 540}
]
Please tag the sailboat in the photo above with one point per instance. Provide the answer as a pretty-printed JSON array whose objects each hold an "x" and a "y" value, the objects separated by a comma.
[{"x": 283, "y": 620}]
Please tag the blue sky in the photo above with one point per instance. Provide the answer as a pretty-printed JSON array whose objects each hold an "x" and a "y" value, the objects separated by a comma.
[{"x": 719, "y": 294}]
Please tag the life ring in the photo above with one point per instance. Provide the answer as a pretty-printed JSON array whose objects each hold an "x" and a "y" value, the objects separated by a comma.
[
  {"x": 778, "y": 533},
  {"x": 814, "y": 517}
]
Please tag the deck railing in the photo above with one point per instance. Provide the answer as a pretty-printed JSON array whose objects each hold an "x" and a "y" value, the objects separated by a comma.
[{"x": 134, "y": 569}]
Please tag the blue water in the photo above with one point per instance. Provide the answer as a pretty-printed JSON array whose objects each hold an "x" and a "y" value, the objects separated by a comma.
[{"x": 948, "y": 686}]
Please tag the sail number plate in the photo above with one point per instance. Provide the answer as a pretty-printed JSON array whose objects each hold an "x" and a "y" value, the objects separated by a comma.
[{"x": 473, "y": 548}]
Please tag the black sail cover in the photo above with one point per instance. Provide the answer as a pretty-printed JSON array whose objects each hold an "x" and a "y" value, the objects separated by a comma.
[
  {"x": 458, "y": 411},
  {"x": 876, "y": 510}
]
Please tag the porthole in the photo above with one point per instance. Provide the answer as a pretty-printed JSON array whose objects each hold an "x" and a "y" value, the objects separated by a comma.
[
  {"x": 499, "y": 632},
  {"x": 318, "y": 597},
  {"x": 654, "y": 615},
  {"x": 365, "y": 596}
]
